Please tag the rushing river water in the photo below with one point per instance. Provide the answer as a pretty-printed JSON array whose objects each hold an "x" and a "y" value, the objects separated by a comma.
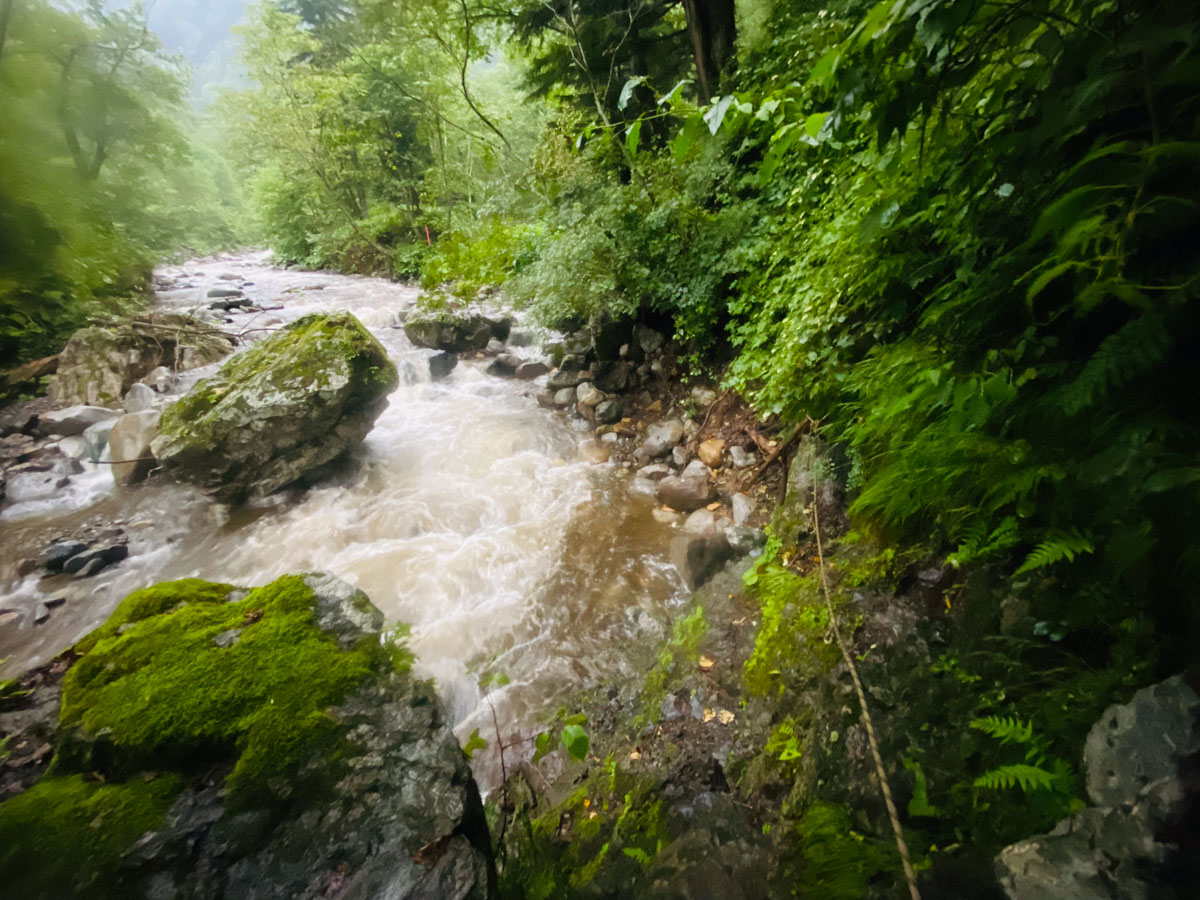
[{"x": 469, "y": 513}]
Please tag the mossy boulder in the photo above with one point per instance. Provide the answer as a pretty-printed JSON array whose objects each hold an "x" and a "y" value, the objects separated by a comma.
[
  {"x": 282, "y": 409},
  {"x": 268, "y": 743},
  {"x": 99, "y": 364},
  {"x": 456, "y": 332}
]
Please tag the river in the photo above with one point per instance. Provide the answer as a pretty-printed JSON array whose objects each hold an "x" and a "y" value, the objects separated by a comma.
[{"x": 469, "y": 513}]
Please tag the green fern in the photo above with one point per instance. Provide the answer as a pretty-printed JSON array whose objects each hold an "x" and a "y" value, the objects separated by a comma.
[
  {"x": 1061, "y": 545},
  {"x": 1029, "y": 778},
  {"x": 1138, "y": 347},
  {"x": 1007, "y": 730},
  {"x": 977, "y": 542}
]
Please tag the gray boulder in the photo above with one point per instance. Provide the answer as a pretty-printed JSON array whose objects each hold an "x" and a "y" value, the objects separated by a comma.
[
  {"x": 587, "y": 395},
  {"x": 129, "y": 446},
  {"x": 563, "y": 378},
  {"x": 140, "y": 398},
  {"x": 456, "y": 332},
  {"x": 531, "y": 370},
  {"x": 685, "y": 492},
  {"x": 697, "y": 557},
  {"x": 275, "y": 413},
  {"x": 609, "y": 411},
  {"x": 95, "y": 439},
  {"x": 662, "y": 437},
  {"x": 99, "y": 364},
  {"x": 1134, "y": 758},
  {"x": 73, "y": 419}
]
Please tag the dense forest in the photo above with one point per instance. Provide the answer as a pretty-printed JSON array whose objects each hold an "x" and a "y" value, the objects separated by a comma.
[{"x": 955, "y": 240}]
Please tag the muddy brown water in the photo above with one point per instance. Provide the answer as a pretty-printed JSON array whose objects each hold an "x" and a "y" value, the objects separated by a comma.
[{"x": 469, "y": 514}]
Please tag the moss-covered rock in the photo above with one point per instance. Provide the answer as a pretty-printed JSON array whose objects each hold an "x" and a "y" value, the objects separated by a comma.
[
  {"x": 266, "y": 743},
  {"x": 290, "y": 404},
  {"x": 99, "y": 364},
  {"x": 454, "y": 331}
]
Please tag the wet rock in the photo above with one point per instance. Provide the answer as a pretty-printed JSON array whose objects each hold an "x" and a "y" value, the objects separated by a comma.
[
  {"x": 41, "y": 614},
  {"x": 654, "y": 472},
  {"x": 573, "y": 362},
  {"x": 287, "y": 406},
  {"x": 442, "y": 364},
  {"x": 596, "y": 453},
  {"x": 73, "y": 419},
  {"x": 1134, "y": 758},
  {"x": 563, "y": 379},
  {"x": 704, "y": 396},
  {"x": 504, "y": 365},
  {"x": 812, "y": 473},
  {"x": 564, "y": 397},
  {"x": 662, "y": 437},
  {"x": 697, "y": 557},
  {"x": 649, "y": 340},
  {"x": 702, "y": 521},
  {"x": 224, "y": 292},
  {"x": 392, "y": 813},
  {"x": 98, "y": 365},
  {"x": 680, "y": 456},
  {"x": 609, "y": 411},
  {"x": 522, "y": 337},
  {"x": 95, "y": 439},
  {"x": 21, "y": 487},
  {"x": 711, "y": 452},
  {"x": 743, "y": 540},
  {"x": 587, "y": 395},
  {"x": 616, "y": 377},
  {"x": 93, "y": 562},
  {"x": 10, "y": 617},
  {"x": 608, "y": 335},
  {"x": 140, "y": 398},
  {"x": 685, "y": 492},
  {"x": 741, "y": 457},
  {"x": 129, "y": 445},
  {"x": 531, "y": 370},
  {"x": 494, "y": 346},
  {"x": 15, "y": 446},
  {"x": 742, "y": 506},
  {"x": 58, "y": 553},
  {"x": 456, "y": 332}
]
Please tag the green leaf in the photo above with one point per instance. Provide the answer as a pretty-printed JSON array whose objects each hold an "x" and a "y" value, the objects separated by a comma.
[
  {"x": 686, "y": 137},
  {"x": 474, "y": 742},
  {"x": 812, "y": 124},
  {"x": 716, "y": 113},
  {"x": 632, "y": 134},
  {"x": 675, "y": 93},
  {"x": 628, "y": 89},
  {"x": 575, "y": 739},
  {"x": 1061, "y": 545},
  {"x": 543, "y": 745}
]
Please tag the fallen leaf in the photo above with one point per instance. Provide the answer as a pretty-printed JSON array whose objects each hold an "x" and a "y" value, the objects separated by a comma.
[
  {"x": 706, "y": 663},
  {"x": 725, "y": 717},
  {"x": 633, "y": 754},
  {"x": 709, "y": 715},
  {"x": 741, "y": 621},
  {"x": 714, "y": 506}
]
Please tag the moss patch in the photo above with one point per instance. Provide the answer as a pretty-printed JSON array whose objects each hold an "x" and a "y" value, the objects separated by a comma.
[
  {"x": 181, "y": 677},
  {"x": 64, "y": 836}
]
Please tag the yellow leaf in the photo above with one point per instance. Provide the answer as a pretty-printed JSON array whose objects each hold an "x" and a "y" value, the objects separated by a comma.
[
  {"x": 706, "y": 663},
  {"x": 725, "y": 717},
  {"x": 709, "y": 715},
  {"x": 633, "y": 754}
]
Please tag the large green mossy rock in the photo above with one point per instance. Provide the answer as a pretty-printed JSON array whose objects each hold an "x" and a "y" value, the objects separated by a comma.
[
  {"x": 99, "y": 364},
  {"x": 270, "y": 743},
  {"x": 282, "y": 409}
]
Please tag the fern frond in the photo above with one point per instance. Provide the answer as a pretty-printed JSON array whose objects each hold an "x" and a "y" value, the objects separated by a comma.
[
  {"x": 1007, "y": 730},
  {"x": 1136, "y": 348},
  {"x": 1061, "y": 545},
  {"x": 1028, "y": 778}
]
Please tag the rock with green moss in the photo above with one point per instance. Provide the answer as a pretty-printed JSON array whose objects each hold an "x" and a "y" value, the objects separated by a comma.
[
  {"x": 454, "y": 331},
  {"x": 275, "y": 413},
  {"x": 99, "y": 364},
  {"x": 270, "y": 743}
]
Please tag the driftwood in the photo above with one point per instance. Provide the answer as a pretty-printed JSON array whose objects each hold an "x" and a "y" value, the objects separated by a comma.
[
  {"x": 14, "y": 379},
  {"x": 777, "y": 452}
]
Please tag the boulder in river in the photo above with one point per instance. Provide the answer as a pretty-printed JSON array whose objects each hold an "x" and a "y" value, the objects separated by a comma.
[
  {"x": 287, "y": 406},
  {"x": 73, "y": 419},
  {"x": 456, "y": 332},
  {"x": 263, "y": 744},
  {"x": 129, "y": 446},
  {"x": 99, "y": 364}
]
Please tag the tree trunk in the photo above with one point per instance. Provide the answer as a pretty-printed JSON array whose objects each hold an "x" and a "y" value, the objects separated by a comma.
[{"x": 713, "y": 29}]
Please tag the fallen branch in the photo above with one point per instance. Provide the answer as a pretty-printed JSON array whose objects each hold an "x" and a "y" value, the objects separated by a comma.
[
  {"x": 880, "y": 773},
  {"x": 778, "y": 451}
]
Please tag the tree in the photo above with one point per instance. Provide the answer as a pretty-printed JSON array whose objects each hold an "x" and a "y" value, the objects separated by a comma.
[{"x": 712, "y": 27}]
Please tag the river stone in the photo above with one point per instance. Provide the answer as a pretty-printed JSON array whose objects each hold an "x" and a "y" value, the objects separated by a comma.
[
  {"x": 139, "y": 398},
  {"x": 531, "y": 370},
  {"x": 697, "y": 557},
  {"x": 649, "y": 340},
  {"x": 684, "y": 492},
  {"x": 504, "y": 365},
  {"x": 661, "y": 437},
  {"x": 288, "y": 405},
  {"x": 741, "y": 457},
  {"x": 442, "y": 364},
  {"x": 370, "y": 797},
  {"x": 587, "y": 395},
  {"x": 743, "y": 506},
  {"x": 224, "y": 292},
  {"x": 73, "y": 419},
  {"x": 711, "y": 452},
  {"x": 95, "y": 439},
  {"x": 99, "y": 364},
  {"x": 564, "y": 397},
  {"x": 457, "y": 332},
  {"x": 129, "y": 446},
  {"x": 609, "y": 411},
  {"x": 563, "y": 379}
]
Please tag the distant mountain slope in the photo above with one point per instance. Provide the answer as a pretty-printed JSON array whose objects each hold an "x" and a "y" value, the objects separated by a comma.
[{"x": 200, "y": 30}]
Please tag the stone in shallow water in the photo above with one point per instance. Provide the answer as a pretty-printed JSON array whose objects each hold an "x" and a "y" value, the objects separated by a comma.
[{"x": 287, "y": 406}]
